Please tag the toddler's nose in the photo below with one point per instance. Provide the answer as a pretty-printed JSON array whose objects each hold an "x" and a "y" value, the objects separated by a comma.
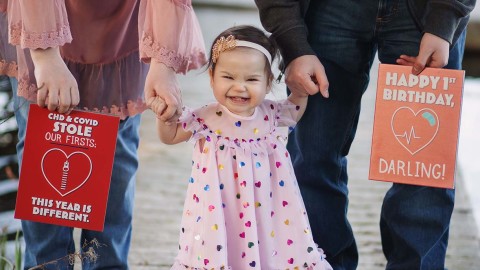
[{"x": 239, "y": 86}]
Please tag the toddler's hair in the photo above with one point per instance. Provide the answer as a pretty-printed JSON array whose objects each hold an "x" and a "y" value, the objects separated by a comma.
[{"x": 252, "y": 34}]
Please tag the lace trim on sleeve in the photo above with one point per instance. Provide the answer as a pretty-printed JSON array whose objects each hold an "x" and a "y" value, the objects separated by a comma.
[
  {"x": 40, "y": 40},
  {"x": 170, "y": 58},
  {"x": 8, "y": 68}
]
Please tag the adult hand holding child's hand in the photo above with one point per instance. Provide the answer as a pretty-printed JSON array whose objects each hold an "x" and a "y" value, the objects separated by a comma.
[{"x": 162, "y": 92}]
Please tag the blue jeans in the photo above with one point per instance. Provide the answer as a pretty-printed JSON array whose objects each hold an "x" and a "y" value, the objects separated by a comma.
[
  {"x": 346, "y": 35},
  {"x": 45, "y": 242}
]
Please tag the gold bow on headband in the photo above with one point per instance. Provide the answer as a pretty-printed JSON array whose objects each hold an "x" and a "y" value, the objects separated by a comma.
[{"x": 223, "y": 44}]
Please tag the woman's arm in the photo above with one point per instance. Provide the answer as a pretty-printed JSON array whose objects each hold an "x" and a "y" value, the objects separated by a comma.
[
  {"x": 57, "y": 88},
  {"x": 174, "y": 45},
  {"x": 43, "y": 33}
]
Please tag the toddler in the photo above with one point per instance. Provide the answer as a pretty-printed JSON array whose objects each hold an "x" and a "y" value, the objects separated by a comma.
[{"x": 243, "y": 208}]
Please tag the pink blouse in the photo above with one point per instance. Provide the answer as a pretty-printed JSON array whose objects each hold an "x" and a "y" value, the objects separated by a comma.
[
  {"x": 8, "y": 55},
  {"x": 102, "y": 43}
]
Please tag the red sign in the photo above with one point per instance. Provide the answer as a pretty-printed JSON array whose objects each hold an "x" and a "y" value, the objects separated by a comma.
[
  {"x": 416, "y": 125},
  {"x": 66, "y": 168}
]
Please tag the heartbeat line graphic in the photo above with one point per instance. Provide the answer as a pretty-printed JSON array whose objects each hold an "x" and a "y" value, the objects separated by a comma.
[{"x": 409, "y": 137}]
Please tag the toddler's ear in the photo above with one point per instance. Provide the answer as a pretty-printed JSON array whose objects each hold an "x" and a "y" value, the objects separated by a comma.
[
  {"x": 210, "y": 73},
  {"x": 270, "y": 84}
]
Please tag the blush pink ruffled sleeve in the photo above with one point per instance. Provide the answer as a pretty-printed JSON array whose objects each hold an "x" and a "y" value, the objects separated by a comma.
[
  {"x": 38, "y": 24},
  {"x": 170, "y": 33},
  {"x": 106, "y": 45}
]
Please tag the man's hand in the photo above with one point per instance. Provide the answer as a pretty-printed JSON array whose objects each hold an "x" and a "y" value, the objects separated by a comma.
[
  {"x": 305, "y": 75},
  {"x": 433, "y": 52},
  {"x": 57, "y": 88}
]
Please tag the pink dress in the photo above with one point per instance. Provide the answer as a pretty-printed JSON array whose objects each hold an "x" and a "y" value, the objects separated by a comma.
[{"x": 243, "y": 208}]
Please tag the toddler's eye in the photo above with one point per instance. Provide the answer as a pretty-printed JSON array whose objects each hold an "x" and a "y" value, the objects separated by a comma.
[
  {"x": 227, "y": 77},
  {"x": 253, "y": 80}
]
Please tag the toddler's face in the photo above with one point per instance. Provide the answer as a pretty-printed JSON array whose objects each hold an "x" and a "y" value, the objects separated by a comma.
[{"x": 240, "y": 81}]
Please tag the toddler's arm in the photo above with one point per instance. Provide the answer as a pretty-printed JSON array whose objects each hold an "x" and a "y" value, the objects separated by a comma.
[
  {"x": 301, "y": 101},
  {"x": 168, "y": 132},
  {"x": 172, "y": 133}
]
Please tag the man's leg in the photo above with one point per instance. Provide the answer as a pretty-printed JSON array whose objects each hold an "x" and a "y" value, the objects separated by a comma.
[
  {"x": 414, "y": 220},
  {"x": 341, "y": 34},
  {"x": 43, "y": 242},
  {"x": 115, "y": 239}
]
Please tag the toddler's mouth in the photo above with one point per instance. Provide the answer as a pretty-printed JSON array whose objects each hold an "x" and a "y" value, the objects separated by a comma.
[{"x": 239, "y": 99}]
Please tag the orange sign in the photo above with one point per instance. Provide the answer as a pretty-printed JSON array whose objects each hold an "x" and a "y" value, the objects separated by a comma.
[{"x": 416, "y": 125}]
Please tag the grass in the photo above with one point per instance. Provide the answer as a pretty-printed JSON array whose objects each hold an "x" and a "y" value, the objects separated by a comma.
[
  {"x": 86, "y": 253},
  {"x": 5, "y": 263}
]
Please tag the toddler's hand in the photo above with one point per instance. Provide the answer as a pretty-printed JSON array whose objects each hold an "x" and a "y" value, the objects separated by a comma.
[{"x": 158, "y": 106}]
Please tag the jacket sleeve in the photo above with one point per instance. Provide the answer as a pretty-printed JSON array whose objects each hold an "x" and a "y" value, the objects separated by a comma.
[
  {"x": 443, "y": 17},
  {"x": 285, "y": 20}
]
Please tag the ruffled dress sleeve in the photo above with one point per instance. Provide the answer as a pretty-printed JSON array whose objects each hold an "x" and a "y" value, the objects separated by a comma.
[
  {"x": 191, "y": 120},
  {"x": 38, "y": 24},
  {"x": 286, "y": 114},
  {"x": 170, "y": 33}
]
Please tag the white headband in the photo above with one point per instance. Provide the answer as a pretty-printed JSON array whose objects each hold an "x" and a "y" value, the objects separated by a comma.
[
  {"x": 222, "y": 44},
  {"x": 243, "y": 43}
]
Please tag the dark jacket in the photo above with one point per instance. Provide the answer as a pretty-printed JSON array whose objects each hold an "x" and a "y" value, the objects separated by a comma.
[{"x": 285, "y": 20}]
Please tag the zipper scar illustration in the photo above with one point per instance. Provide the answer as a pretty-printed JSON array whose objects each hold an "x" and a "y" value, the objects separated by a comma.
[{"x": 66, "y": 168}]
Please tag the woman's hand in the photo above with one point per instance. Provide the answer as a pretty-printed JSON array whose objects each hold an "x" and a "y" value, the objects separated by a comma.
[
  {"x": 162, "y": 92},
  {"x": 57, "y": 88}
]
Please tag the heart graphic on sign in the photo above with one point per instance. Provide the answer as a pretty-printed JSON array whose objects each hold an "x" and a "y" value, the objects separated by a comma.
[
  {"x": 414, "y": 130},
  {"x": 66, "y": 173}
]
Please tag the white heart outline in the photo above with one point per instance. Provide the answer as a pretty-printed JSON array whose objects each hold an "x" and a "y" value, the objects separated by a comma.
[
  {"x": 74, "y": 153},
  {"x": 415, "y": 114}
]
